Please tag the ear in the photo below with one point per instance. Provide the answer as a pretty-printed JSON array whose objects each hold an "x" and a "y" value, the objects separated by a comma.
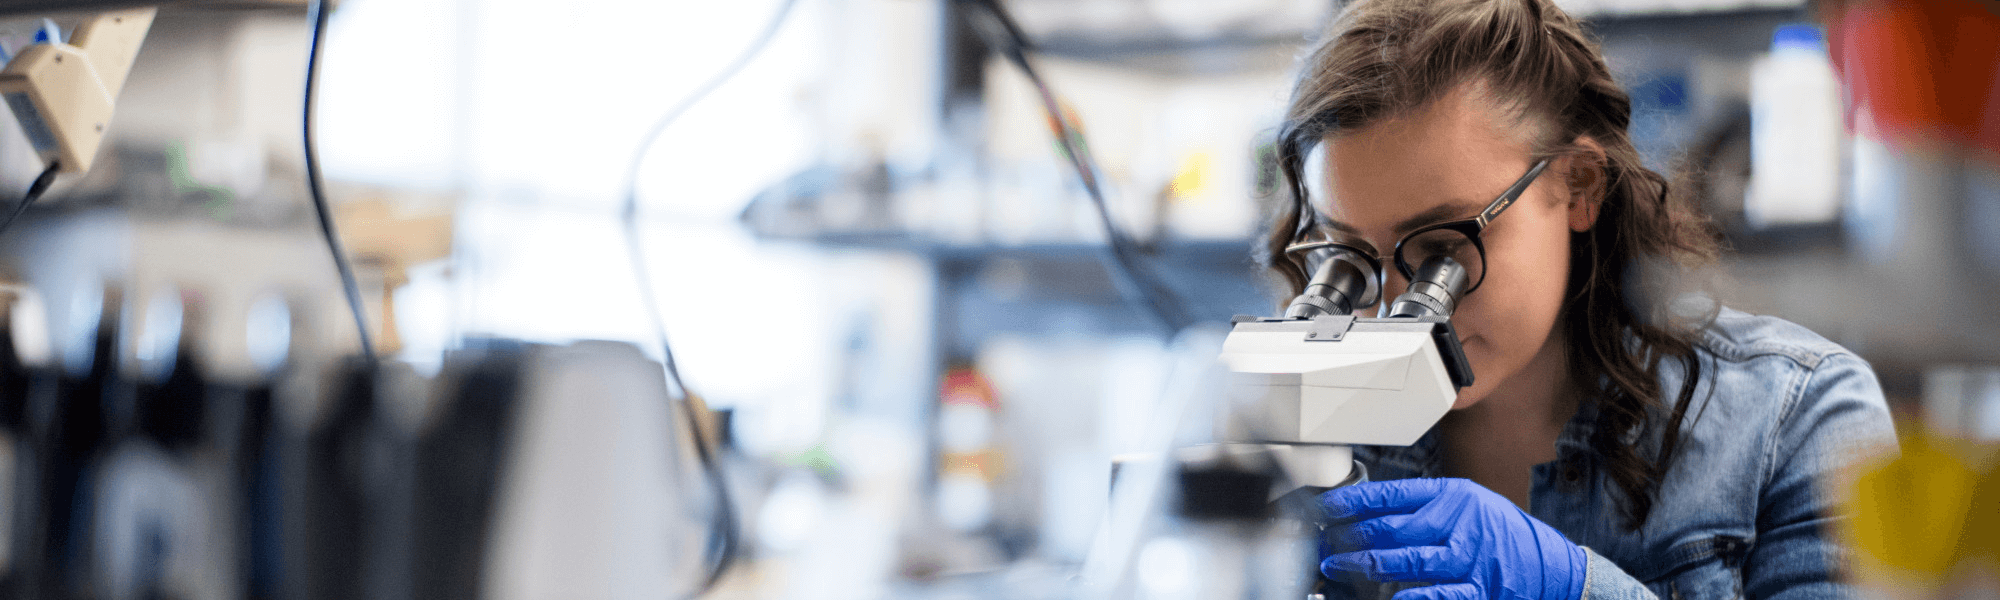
[{"x": 1584, "y": 175}]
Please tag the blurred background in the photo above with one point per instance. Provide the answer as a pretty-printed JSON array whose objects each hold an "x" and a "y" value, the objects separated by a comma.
[{"x": 878, "y": 271}]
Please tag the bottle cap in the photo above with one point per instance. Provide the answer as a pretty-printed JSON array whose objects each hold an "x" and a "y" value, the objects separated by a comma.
[{"x": 1798, "y": 36}]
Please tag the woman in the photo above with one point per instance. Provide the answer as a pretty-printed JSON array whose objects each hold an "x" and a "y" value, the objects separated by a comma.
[{"x": 1615, "y": 444}]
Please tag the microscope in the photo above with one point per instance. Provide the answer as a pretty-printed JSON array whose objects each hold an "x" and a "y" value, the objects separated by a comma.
[
  {"x": 1301, "y": 390},
  {"x": 1309, "y": 385}
]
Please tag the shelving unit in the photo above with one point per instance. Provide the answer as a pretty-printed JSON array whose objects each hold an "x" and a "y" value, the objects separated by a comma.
[
  {"x": 1059, "y": 289},
  {"x": 1602, "y": 9},
  {"x": 13, "y": 8},
  {"x": 1063, "y": 288}
]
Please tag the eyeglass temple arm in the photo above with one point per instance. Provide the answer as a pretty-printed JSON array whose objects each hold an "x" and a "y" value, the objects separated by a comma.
[{"x": 1513, "y": 193}]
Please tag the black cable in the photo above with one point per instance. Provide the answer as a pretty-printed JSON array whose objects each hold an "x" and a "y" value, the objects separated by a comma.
[
  {"x": 35, "y": 190},
  {"x": 316, "y": 12},
  {"x": 728, "y": 535},
  {"x": 1138, "y": 285}
]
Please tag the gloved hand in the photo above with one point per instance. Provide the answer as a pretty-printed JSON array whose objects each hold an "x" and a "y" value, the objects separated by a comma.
[{"x": 1469, "y": 542}]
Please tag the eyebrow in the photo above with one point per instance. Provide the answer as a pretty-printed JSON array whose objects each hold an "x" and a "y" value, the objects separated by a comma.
[{"x": 1436, "y": 214}]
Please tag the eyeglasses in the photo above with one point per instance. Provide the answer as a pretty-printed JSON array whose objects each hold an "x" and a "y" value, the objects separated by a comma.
[{"x": 1458, "y": 240}]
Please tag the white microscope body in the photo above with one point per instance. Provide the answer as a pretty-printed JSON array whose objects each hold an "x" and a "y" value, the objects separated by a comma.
[
  {"x": 1313, "y": 388},
  {"x": 1317, "y": 381},
  {"x": 1302, "y": 390}
]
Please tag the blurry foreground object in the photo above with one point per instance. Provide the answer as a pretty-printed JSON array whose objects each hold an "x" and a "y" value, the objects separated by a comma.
[
  {"x": 1920, "y": 72},
  {"x": 135, "y": 468},
  {"x": 1923, "y": 78},
  {"x": 1926, "y": 524}
]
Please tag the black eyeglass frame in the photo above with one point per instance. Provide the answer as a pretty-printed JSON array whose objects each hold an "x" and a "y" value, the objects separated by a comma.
[{"x": 1469, "y": 227}]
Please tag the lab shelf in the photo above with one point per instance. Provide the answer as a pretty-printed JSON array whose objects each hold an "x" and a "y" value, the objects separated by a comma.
[
  {"x": 1179, "y": 57},
  {"x": 1615, "y": 9},
  {"x": 15, "y": 8},
  {"x": 1200, "y": 250},
  {"x": 1061, "y": 289}
]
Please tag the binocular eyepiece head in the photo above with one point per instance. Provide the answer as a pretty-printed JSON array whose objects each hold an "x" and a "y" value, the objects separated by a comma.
[
  {"x": 1435, "y": 291},
  {"x": 1343, "y": 279}
]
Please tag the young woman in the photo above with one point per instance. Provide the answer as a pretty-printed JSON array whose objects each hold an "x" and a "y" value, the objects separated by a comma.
[{"x": 1615, "y": 444}]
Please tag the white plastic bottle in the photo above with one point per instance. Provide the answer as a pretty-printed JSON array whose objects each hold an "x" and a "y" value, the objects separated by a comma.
[{"x": 1795, "y": 133}]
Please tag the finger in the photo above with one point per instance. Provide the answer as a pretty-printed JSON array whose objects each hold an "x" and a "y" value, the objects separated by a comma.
[
  {"x": 1441, "y": 515},
  {"x": 1415, "y": 563},
  {"x": 1442, "y": 591},
  {"x": 1377, "y": 498},
  {"x": 1392, "y": 531}
]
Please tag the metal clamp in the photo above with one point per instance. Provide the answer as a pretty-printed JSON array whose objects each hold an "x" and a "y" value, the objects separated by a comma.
[{"x": 1329, "y": 328}]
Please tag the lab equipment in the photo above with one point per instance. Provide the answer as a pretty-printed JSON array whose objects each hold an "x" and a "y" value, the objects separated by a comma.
[
  {"x": 64, "y": 93},
  {"x": 1796, "y": 133},
  {"x": 1464, "y": 539},
  {"x": 1300, "y": 390},
  {"x": 1137, "y": 284},
  {"x": 1320, "y": 380},
  {"x": 63, "y": 432},
  {"x": 159, "y": 493},
  {"x": 22, "y": 380},
  {"x": 459, "y": 458},
  {"x": 352, "y": 486},
  {"x": 1311, "y": 384},
  {"x": 1224, "y": 543}
]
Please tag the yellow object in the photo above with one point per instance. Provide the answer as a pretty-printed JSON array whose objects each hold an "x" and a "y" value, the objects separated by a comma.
[
  {"x": 1982, "y": 528},
  {"x": 1926, "y": 524},
  {"x": 984, "y": 465},
  {"x": 1192, "y": 177}
]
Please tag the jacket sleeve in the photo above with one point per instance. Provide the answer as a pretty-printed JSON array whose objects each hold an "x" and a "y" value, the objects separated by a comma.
[
  {"x": 1603, "y": 580},
  {"x": 1834, "y": 414}
]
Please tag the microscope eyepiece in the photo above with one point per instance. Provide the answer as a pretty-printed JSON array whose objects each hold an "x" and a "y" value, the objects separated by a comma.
[
  {"x": 1342, "y": 280},
  {"x": 1439, "y": 284}
]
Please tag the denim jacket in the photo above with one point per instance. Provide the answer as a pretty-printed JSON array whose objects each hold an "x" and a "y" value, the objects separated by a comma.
[{"x": 1742, "y": 512}]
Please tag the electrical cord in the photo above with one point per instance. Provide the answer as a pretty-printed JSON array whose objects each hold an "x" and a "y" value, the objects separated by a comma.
[
  {"x": 318, "y": 15},
  {"x": 35, "y": 191},
  {"x": 1138, "y": 285},
  {"x": 727, "y": 538}
]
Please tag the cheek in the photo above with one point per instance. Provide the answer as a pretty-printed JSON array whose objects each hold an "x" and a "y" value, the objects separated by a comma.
[{"x": 1513, "y": 314}]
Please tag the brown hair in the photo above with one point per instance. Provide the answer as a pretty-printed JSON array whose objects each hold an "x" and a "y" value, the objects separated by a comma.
[{"x": 1386, "y": 58}]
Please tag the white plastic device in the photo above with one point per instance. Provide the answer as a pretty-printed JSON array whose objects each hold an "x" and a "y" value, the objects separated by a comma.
[
  {"x": 1322, "y": 385},
  {"x": 64, "y": 93}
]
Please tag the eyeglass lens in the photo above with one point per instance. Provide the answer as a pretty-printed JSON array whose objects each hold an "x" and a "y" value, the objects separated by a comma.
[{"x": 1442, "y": 242}]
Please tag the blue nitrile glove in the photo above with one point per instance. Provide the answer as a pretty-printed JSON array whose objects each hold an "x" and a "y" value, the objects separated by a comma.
[{"x": 1466, "y": 540}]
